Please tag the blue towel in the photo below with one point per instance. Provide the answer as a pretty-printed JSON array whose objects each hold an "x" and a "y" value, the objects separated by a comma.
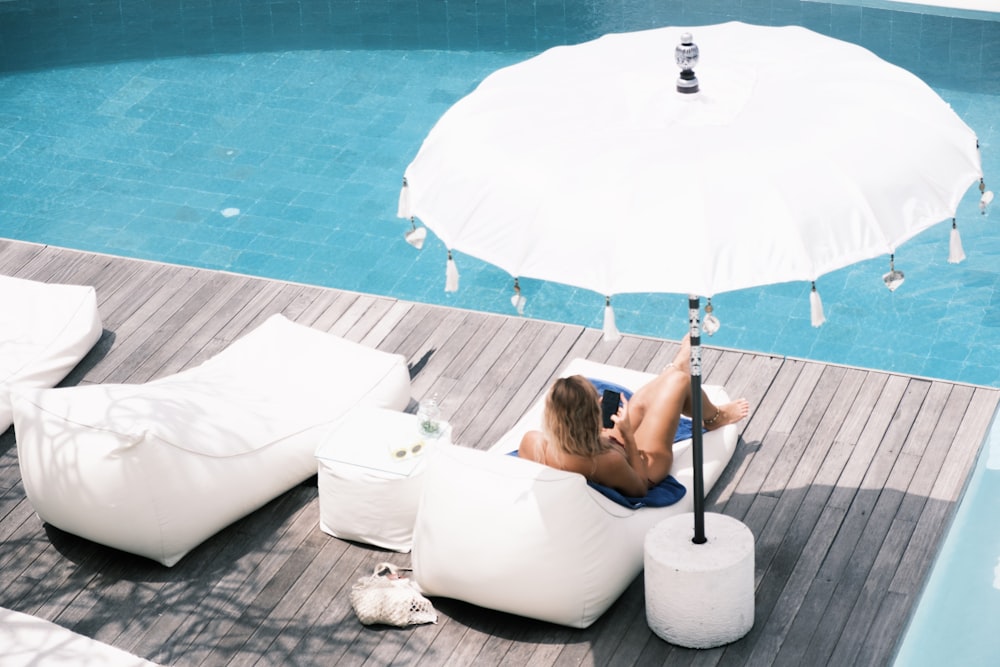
[
  {"x": 667, "y": 492},
  {"x": 601, "y": 385}
]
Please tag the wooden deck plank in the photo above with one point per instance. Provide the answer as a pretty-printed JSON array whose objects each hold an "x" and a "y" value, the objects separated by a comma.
[
  {"x": 503, "y": 381},
  {"x": 18, "y": 527},
  {"x": 15, "y": 254},
  {"x": 782, "y": 539},
  {"x": 225, "y": 579},
  {"x": 847, "y": 478},
  {"x": 65, "y": 266},
  {"x": 864, "y": 613},
  {"x": 541, "y": 375},
  {"x": 292, "y": 604},
  {"x": 190, "y": 328},
  {"x": 854, "y": 549},
  {"x": 251, "y": 633},
  {"x": 938, "y": 505},
  {"x": 775, "y": 631},
  {"x": 751, "y": 471},
  {"x": 312, "y": 643}
]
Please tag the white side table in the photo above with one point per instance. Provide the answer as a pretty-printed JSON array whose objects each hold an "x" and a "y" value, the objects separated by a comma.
[{"x": 369, "y": 477}]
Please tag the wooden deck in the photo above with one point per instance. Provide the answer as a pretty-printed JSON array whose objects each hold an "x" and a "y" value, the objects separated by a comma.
[{"x": 847, "y": 478}]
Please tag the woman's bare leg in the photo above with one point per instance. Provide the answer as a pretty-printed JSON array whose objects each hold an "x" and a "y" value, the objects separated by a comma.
[
  {"x": 713, "y": 416},
  {"x": 655, "y": 411},
  {"x": 656, "y": 407}
]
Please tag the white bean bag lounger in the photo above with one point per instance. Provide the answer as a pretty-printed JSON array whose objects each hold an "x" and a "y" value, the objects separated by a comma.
[
  {"x": 29, "y": 641},
  {"x": 45, "y": 330},
  {"x": 520, "y": 537},
  {"x": 156, "y": 468}
]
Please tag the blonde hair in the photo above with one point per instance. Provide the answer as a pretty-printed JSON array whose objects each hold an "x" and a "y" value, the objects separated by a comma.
[{"x": 572, "y": 419}]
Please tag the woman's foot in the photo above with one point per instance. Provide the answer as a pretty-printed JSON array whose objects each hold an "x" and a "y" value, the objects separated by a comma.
[
  {"x": 728, "y": 413},
  {"x": 682, "y": 360}
]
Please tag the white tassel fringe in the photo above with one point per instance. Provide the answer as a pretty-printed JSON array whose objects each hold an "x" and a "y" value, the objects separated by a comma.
[
  {"x": 416, "y": 235},
  {"x": 955, "y": 251},
  {"x": 451, "y": 275},
  {"x": 816, "y": 308},
  {"x": 403, "y": 211},
  {"x": 611, "y": 333}
]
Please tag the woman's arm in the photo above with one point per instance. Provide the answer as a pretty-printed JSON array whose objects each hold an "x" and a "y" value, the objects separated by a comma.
[
  {"x": 614, "y": 470},
  {"x": 635, "y": 458},
  {"x": 531, "y": 446}
]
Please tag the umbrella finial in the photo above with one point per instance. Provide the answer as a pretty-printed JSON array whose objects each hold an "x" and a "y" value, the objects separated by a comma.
[
  {"x": 816, "y": 307},
  {"x": 894, "y": 278},
  {"x": 611, "y": 333},
  {"x": 517, "y": 300},
  {"x": 955, "y": 251},
  {"x": 686, "y": 57}
]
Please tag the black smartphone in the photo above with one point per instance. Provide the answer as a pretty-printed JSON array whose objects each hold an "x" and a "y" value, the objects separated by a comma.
[{"x": 610, "y": 402}]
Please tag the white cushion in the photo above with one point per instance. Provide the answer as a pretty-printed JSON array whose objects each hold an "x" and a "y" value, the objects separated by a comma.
[
  {"x": 156, "y": 468},
  {"x": 29, "y": 641},
  {"x": 517, "y": 536},
  {"x": 45, "y": 330}
]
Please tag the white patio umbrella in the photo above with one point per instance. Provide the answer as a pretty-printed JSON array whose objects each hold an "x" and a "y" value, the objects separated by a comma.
[{"x": 585, "y": 165}]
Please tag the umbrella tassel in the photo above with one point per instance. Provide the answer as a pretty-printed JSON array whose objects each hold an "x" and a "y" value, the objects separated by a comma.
[
  {"x": 518, "y": 301},
  {"x": 894, "y": 278},
  {"x": 816, "y": 307},
  {"x": 403, "y": 211},
  {"x": 416, "y": 235},
  {"x": 611, "y": 333},
  {"x": 955, "y": 251},
  {"x": 710, "y": 324},
  {"x": 986, "y": 196},
  {"x": 451, "y": 275}
]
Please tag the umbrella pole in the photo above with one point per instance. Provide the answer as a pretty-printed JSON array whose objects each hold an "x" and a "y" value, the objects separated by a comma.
[{"x": 694, "y": 315}]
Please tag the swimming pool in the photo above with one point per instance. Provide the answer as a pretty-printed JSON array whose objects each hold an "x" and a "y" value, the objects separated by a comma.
[
  {"x": 280, "y": 152},
  {"x": 270, "y": 139},
  {"x": 955, "y": 620}
]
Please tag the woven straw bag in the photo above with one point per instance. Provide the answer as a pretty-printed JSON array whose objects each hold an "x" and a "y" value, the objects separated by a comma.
[{"x": 391, "y": 599}]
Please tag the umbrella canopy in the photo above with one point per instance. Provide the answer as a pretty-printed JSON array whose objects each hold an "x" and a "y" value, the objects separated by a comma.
[
  {"x": 801, "y": 154},
  {"x": 585, "y": 165}
]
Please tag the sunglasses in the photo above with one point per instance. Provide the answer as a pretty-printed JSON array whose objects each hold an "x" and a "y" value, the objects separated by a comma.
[{"x": 402, "y": 453}]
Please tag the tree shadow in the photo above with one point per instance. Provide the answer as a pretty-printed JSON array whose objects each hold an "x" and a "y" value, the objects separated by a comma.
[{"x": 96, "y": 354}]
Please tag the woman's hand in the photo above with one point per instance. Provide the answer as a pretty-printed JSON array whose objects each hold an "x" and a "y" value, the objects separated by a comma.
[
  {"x": 621, "y": 419},
  {"x": 623, "y": 427}
]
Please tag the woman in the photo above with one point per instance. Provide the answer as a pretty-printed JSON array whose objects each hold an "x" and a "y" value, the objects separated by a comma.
[{"x": 637, "y": 453}]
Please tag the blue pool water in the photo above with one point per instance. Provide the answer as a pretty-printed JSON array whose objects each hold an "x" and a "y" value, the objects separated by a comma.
[
  {"x": 955, "y": 622},
  {"x": 270, "y": 139},
  {"x": 284, "y": 159}
]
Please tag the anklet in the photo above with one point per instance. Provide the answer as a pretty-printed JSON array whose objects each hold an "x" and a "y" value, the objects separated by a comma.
[{"x": 709, "y": 422}]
